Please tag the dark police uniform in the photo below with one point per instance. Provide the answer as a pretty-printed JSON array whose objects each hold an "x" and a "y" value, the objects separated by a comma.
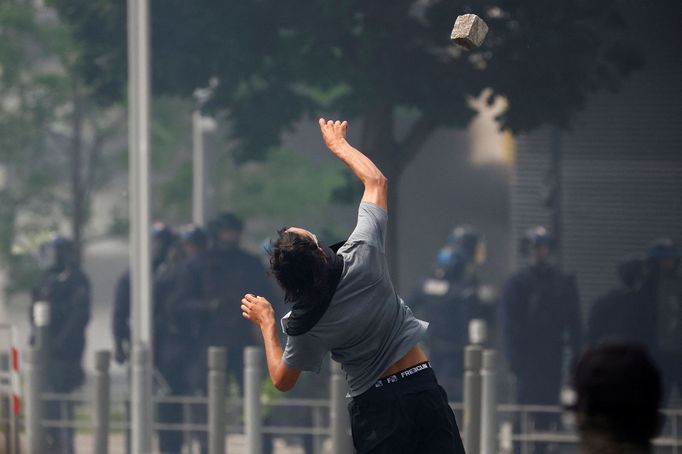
[
  {"x": 540, "y": 307},
  {"x": 231, "y": 274},
  {"x": 449, "y": 306},
  {"x": 67, "y": 292}
]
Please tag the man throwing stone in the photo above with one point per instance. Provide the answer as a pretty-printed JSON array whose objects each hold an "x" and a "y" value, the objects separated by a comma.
[{"x": 344, "y": 303}]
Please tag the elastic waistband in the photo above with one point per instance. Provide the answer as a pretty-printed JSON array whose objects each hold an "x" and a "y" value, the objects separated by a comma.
[{"x": 403, "y": 374}]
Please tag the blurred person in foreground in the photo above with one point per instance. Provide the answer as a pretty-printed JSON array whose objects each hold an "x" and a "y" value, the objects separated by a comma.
[
  {"x": 450, "y": 297},
  {"x": 617, "y": 315},
  {"x": 619, "y": 392},
  {"x": 344, "y": 302},
  {"x": 662, "y": 292},
  {"x": 540, "y": 311},
  {"x": 66, "y": 290}
]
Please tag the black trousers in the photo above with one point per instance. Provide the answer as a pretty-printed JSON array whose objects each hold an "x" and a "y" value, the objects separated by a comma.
[{"x": 408, "y": 416}]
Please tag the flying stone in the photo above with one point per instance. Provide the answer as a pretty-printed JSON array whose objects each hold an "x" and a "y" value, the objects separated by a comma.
[{"x": 469, "y": 31}]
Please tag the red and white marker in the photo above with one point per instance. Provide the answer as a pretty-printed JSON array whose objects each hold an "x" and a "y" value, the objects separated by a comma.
[{"x": 15, "y": 376}]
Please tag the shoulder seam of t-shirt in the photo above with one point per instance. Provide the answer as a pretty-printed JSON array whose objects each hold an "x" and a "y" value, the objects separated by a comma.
[
  {"x": 349, "y": 244},
  {"x": 373, "y": 204}
]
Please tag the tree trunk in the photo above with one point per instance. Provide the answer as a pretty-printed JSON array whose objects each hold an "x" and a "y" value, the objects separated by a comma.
[
  {"x": 77, "y": 189},
  {"x": 379, "y": 142}
]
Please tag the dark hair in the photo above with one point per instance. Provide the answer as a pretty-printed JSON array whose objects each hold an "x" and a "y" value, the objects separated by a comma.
[
  {"x": 619, "y": 390},
  {"x": 298, "y": 265}
]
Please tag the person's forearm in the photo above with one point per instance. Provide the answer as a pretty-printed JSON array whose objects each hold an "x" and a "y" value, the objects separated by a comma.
[
  {"x": 363, "y": 168},
  {"x": 273, "y": 352}
]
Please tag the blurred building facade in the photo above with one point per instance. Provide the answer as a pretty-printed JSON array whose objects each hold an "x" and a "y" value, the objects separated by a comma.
[{"x": 617, "y": 175}]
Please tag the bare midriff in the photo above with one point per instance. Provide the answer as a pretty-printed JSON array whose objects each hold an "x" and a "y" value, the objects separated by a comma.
[{"x": 415, "y": 356}]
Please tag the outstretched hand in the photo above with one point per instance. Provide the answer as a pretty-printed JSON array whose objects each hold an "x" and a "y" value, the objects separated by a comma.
[
  {"x": 257, "y": 309},
  {"x": 333, "y": 133}
]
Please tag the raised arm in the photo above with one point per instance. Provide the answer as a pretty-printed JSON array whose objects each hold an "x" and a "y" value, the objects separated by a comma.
[{"x": 376, "y": 184}]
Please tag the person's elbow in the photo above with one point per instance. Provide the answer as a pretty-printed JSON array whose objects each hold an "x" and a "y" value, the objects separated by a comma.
[
  {"x": 377, "y": 180},
  {"x": 283, "y": 385},
  {"x": 285, "y": 379}
]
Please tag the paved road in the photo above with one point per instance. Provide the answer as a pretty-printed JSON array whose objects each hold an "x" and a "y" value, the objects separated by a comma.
[{"x": 236, "y": 444}]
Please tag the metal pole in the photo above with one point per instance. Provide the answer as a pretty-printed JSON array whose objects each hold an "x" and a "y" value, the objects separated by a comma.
[
  {"x": 34, "y": 404},
  {"x": 217, "y": 375},
  {"x": 318, "y": 424},
  {"x": 489, "y": 403},
  {"x": 339, "y": 419},
  {"x": 36, "y": 379},
  {"x": 142, "y": 415},
  {"x": 198, "y": 171},
  {"x": 140, "y": 261},
  {"x": 472, "y": 398},
  {"x": 102, "y": 398},
  {"x": 252, "y": 418}
]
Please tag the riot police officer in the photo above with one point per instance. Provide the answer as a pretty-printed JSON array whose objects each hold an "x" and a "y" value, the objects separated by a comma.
[
  {"x": 540, "y": 310},
  {"x": 66, "y": 290},
  {"x": 449, "y": 298},
  {"x": 231, "y": 272},
  {"x": 617, "y": 315},
  {"x": 162, "y": 242},
  {"x": 662, "y": 292}
]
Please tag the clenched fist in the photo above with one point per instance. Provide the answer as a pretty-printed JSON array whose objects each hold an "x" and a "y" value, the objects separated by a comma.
[{"x": 258, "y": 310}]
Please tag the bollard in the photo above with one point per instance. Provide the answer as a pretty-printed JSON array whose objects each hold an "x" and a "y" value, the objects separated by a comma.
[
  {"x": 339, "y": 419},
  {"x": 318, "y": 424},
  {"x": 142, "y": 422},
  {"x": 34, "y": 403},
  {"x": 472, "y": 398},
  {"x": 253, "y": 357},
  {"x": 217, "y": 376},
  {"x": 489, "y": 403},
  {"x": 102, "y": 398}
]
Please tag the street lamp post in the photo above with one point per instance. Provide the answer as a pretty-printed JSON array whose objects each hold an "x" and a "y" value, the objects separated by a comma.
[
  {"x": 199, "y": 171},
  {"x": 138, "y": 194}
]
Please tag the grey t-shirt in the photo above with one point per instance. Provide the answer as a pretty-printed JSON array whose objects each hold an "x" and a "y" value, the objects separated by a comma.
[{"x": 367, "y": 326}]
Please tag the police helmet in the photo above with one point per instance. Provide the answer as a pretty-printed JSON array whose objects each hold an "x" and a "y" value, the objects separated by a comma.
[
  {"x": 194, "y": 235},
  {"x": 226, "y": 221},
  {"x": 162, "y": 233},
  {"x": 58, "y": 251},
  {"x": 465, "y": 239},
  {"x": 535, "y": 238},
  {"x": 463, "y": 246},
  {"x": 664, "y": 248}
]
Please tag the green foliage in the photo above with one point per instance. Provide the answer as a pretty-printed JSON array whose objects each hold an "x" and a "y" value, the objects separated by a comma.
[
  {"x": 38, "y": 89},
  {"x": 286, "y": 184},
  {"x": 277, "y": 61},
  {"x": 29, "y": 93},
  {"x": 284, "y": 188}
]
